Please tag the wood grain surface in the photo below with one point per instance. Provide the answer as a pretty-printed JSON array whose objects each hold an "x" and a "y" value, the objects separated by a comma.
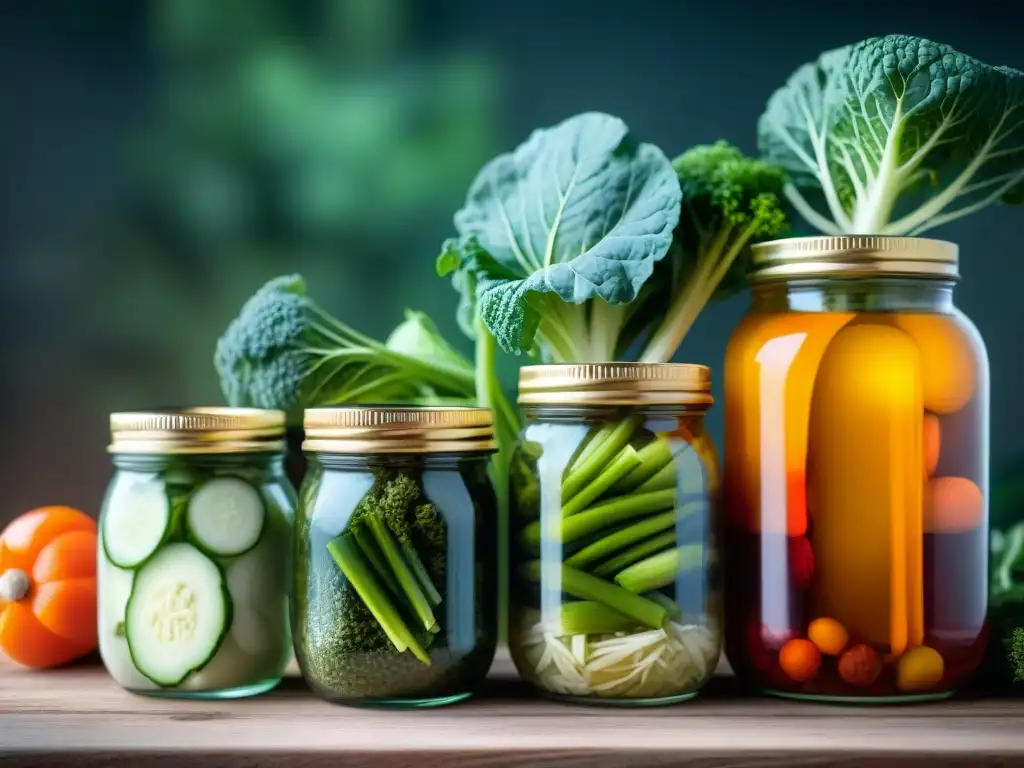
[{"x": 78, "y": 716}]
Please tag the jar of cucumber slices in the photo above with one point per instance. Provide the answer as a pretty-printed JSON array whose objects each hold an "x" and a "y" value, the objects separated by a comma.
[{"x": 194, "y": 561}]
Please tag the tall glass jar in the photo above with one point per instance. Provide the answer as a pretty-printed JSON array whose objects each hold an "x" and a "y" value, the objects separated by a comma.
[
  {"x": 614, "y": 585},
  {"x": 195, "y": 553},
  {"x": 396, "y": 555},
  {"x": 856, "y": 473}
]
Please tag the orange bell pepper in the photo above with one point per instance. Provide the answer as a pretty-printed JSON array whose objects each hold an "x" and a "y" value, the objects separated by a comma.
[{"x": 48, "y": 587}]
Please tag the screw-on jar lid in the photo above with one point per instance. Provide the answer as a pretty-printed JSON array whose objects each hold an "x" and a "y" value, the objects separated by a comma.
[
  {"x": 398, "y": 429},
  {"x": 852, "y": 256},
  {"x": 616, "y": 384},
  {"x": 197, "y": 430}
]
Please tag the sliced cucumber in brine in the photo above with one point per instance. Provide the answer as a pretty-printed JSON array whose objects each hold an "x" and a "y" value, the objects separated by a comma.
[
  {"x": 225, "y": 516},
  {"x": 177, "y": 615},
  {"x": 135, "y": 522}
]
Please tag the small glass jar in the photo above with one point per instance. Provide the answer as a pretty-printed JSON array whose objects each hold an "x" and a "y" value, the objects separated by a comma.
[
  {"x": 856, "y": 473},
  {"x": 396, "y": 597},
  {"x": 195, "y": 553},
  {"x": 614, "y": 585}
]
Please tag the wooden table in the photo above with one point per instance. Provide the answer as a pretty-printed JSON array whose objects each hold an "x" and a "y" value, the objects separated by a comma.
[{"x": 79, "y": 717}]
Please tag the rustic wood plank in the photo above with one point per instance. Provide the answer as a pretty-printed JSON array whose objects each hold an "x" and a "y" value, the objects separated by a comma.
[{"x": 79, "y": 714}]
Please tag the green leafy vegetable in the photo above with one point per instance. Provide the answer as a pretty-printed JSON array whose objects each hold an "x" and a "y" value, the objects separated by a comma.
[
  {"x": 558, "y": 237},
  {"x": 729, "y": 202},
  {"x": 1017, "y": 654},
  {"x": 284, "y": 352},
  {"x": 896, "y": 135}
]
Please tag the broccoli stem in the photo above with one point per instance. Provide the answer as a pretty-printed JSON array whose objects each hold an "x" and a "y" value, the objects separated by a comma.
[
  {"x": 585, "y": 617},
  {"x": 406, "y": 578},
  {"x": 624, "y": 463},
  {"x": 714, "y": 263},
  {"x": 586, "y": 587},
  {"x": 654, "y": 457},
  {"x": 346, "y": 554},
  {"x": 420, "y": 571},
  {"x": 661, "y": 569},
  {"x": 372, "y": 553},
  {"x": 648, "y": 545},
  {"x": 601, "y": 516},
  {"x": 624, "y": 537},
  {"x": 585, "y": 471}
]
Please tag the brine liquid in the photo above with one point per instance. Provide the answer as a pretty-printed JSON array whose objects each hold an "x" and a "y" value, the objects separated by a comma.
[{"x": 856, "y": 503}]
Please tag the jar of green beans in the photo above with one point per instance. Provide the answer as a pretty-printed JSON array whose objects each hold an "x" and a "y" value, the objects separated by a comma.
[{"x": 615, "y": 593}]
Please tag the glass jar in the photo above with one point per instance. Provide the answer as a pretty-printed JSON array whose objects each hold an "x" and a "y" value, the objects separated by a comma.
[
  {"x": 614, "y": 586},
  {"x": 195, "y": 553},
  {"x": 856, "y": 473},
  {"x": 396, "y": 555}
]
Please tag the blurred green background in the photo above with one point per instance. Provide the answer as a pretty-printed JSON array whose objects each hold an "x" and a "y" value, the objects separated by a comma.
[{"x": 163, "y": 159}]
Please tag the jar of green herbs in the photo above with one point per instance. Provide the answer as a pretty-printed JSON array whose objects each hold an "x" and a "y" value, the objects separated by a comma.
[{"x": 395, "y": 600}]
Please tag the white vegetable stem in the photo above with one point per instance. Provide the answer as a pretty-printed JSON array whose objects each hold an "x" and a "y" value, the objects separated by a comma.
[
  {"x": 877, "y": 178},
  {"x": 14, "y": 584}
]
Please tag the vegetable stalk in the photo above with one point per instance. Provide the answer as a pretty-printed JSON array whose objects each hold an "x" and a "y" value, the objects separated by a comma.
[
  {"x": 660, "y": 570},
  {"x": 346, "y": 554},
  {"x": 406, "y": 578},
  {"x": 586, "y": 587}
]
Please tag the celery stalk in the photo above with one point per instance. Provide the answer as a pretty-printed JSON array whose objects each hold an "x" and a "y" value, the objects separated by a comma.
[
  {"x": 426, "y": 583},
  {"x": 406, "y": 578},
  {"x": 585, "y": 471},
  {"x": 372, "y": 553},
  {"x": 585, "y": 617},
  {"x": 644, "y": 548},
  {"x": 624, "y": 537},
  {"x": 587, "y": 587},
  {"x": 590, "y": 446},
  {"x": 654, "y": 457},
  {"x": 662, "y": 479},
  {"x": 624, "y": 463},
  {"x": 661, "y": 569},
  {"x": 346, "y": 554},
  {"x": 600, "y": 516}
]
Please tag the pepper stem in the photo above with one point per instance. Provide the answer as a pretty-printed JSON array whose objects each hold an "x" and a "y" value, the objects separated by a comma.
[{"x": 14, "y": 584}]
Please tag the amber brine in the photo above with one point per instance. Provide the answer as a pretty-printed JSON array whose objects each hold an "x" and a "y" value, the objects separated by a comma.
[{"x": 856, "y": 472}]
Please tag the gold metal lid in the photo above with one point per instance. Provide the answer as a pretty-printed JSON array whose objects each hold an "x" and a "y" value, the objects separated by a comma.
[
  {"x": 398, "y": 429},
  {"x": 197, "y": 430},
  {"x": 616, "y": 384},
  {"x": 853, "y": 256}
]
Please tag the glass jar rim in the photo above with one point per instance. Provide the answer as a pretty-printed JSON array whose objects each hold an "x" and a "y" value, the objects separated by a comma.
[
  {"x": 197, "y": 430},
  {"x": 597, "y": 384},
  {"x": 398, "y": 429},
  {"x": 853, "y": 256}
]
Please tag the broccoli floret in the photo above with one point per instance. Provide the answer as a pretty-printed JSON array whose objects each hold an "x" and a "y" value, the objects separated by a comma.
[
  {"x": 394, "y": 498},
  {"x": 1017, "y": 654},
  {"x": 284, "y": 352},
  {"x": 729, "y": 202}
]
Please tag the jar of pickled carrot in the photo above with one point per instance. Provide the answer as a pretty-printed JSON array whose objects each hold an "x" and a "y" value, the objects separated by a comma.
[
  {"x": 856, "y": 473},
  {"x": 614, "y": 593}
]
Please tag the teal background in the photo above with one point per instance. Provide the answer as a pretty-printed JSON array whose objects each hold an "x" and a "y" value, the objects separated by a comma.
[{"x": 161, "y": 160}]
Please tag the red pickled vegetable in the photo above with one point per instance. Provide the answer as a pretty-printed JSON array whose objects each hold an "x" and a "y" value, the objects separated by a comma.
[{"x": 801, "y": 561}]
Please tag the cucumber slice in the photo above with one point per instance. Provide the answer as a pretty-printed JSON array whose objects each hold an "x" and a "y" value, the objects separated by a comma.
[
  {"x": 177, "y": 615},
  {"x": 136, "y": 519},
  {"x": 225, "y": 517}
]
